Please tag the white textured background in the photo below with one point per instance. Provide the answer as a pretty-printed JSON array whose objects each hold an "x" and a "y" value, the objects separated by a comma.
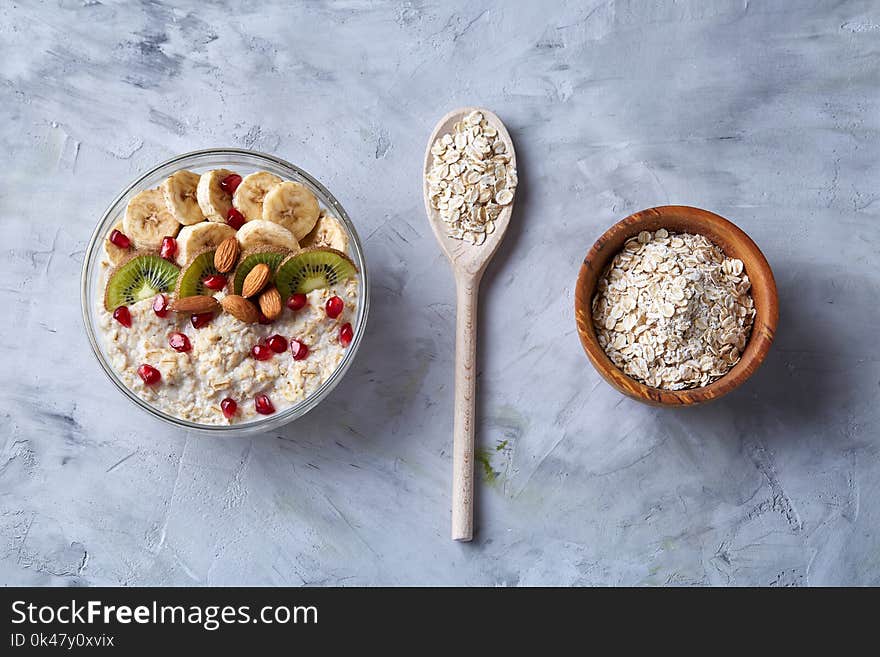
[{"x": 765, "y": 111}]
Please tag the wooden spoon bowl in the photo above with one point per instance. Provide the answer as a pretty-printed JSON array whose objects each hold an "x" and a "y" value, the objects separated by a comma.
[
  {"x": 735, "y": 243},
  {"x": 467, "y": 258}
]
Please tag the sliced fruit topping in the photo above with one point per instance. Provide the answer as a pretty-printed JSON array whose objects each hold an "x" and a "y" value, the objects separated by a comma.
[
  {"x": 230, "y": 183},
  {"x": 277, "y": 343},
  {"x": 258, "y": 233},
  {"x": 235, "y": 218},
  {"x": 214, "y": 282},
  {"x": 312, "y": 269},
  {"x": 261, "y": 352},
  {"x": 334, "y": 307},
  {"x": 297, "y": 301},
  {"x": 169, "y": 248},
  {"x": 250, "y": 259},
  {"x": 179, "y": 191},
  {"x": 147, "y": 220},
  {"x": 229, "y": 407},
  {"x": 116, "y": 253},
  {"x": 197, "y": 238},
  {"x": 122, "y": 316},
  {"x": 149, "y": 374},
  {"x": 327, "y": 232},
  {"x": 299, "y": 349},
  {"x": 292, "y": 205},
  {"x": 160, "y": 305},
  {"x": 179, "y": 342},
  {"x": 192, "y": 278},
  {"x": 200, "y": 320},
  {"x": 346, "y": 333},
  {"x": 137, "y": 278},
  {"x": 214, "y": 201},
  {"x": 251, "y": 191},
  {"x": 263, "y": 405},
  {"x": 120, "y": 239}
]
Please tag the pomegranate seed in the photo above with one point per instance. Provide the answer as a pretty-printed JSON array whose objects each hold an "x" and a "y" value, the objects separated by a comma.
[
  {"x": 263, "y": 405},
  {"x": 334, "y": 307},
  {"x": 230, "y": 183},
  {"x": 149, "y": 374},
  {"x": 229, "y": 407},
  {"x": 297, "y": 301},
  {"x": 122, "y": 316},
  {"x": 179, "y": 342},
  {"x": 169, "y": 248},
  {"x": 215, "y": 282},
  {"x": 277, "y": 343},
  {"x": 160, "y": 305},
  {"x": 264, "y": 320},
  {"x": 201, "y": 319},
  {"x": 346, "y": 333},
  {"x": 261, "y": 352},
  {"x": 299, "y": 349},
  {"x": 235, "y": 218},
  {"x": 120, "y": 239}
]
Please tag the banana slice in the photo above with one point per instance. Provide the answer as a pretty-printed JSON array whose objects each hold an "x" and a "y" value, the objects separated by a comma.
[
  {"x": 214, "y": 201},
  {"x": 198, "y": 237},
  {"x": 328, "y": 232},
  {"x": 179, "y": 191},
  {"x": 266, "y": 233},
  {"x": 147, "y": 220},
  {"x": 248, "y": 198},
  {"x": 114, "y": 254},
  {"x": 293, "y": 206}
]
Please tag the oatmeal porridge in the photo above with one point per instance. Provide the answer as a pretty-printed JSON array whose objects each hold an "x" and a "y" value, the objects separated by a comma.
[{"x": 226, "y": 297}]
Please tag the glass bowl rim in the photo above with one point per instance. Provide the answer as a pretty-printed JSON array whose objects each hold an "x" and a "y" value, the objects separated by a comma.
[{"x": 270, "y": 421}]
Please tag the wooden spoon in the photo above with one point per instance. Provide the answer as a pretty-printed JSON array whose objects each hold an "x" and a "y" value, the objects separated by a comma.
[{"x": 468, "y": 263}]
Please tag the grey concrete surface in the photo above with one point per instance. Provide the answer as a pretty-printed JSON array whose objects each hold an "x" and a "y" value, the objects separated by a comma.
[{"x": 767, "y": 112}]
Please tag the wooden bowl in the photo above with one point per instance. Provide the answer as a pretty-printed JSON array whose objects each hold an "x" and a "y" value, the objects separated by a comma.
[{"x": 734, "y": 243}]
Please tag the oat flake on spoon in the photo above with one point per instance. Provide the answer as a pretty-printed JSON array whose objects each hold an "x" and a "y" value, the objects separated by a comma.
[{"x": 471, "y": 178}]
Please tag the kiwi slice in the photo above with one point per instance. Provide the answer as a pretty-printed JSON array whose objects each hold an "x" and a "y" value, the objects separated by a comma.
[
  {"x": 138, "y": 277},
  {"x": 312, "y": 269},
  {"x": 250, "y": 259},
  {"x": 190, "y": 282}
]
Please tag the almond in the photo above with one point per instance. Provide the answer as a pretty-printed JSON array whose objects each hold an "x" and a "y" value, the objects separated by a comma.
[
  {"x": 195, "y": 304},
  {"x": 270, "y": 302},
  {"x": 226, "y": 255},
  {"x": 240, "y": 308},
  {"x": 255, "y": 280}
]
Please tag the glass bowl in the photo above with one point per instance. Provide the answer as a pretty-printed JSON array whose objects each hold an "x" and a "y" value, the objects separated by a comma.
[{"x": 243, "y": 162}]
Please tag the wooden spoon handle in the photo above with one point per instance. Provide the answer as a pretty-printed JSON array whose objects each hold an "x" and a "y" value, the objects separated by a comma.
[{"x": 467, "y": 287}]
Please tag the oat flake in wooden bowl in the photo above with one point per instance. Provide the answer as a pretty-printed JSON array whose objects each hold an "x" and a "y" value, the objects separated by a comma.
[
  {"x": 672, "y": 311},
  {"x": 729, "y": 240}
]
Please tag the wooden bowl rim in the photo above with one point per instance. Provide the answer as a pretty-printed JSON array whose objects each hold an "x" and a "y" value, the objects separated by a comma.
[{"x": 740, "y": 245}]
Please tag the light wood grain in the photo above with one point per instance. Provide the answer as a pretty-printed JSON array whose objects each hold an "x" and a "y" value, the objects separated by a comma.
[
  {"x": 468, "y": 263},
  {"x": 735, "y": 243}
]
